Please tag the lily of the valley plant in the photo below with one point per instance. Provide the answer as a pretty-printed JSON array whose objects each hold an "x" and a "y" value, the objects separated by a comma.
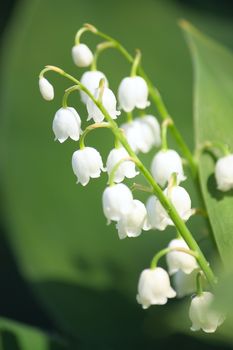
[{"x": 168, "y": 204}]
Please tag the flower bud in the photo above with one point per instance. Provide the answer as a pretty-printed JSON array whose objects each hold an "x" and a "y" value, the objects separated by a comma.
[
  {"x": 132, "y": 223},
  {"x": 224, "y": 173},
  {"x": 108, "y": 101},
  {"x": 164, "y": 164},
  {"x": 202, "y": 314},
  {"x": 125, "y": 169},
  {"x": 133, "y": 92},
  {"x": 87, "y": 163},
  {"x": 185, "y": 284},
  {"x": 67, "y": 123},
  {"x": 157, "y": 215},
  {"x": 91, "y": 80},
  {"x": 82, "y": 55},
  {"x": 154, "y": 287},
  {"x": 46, "y": 89},
  {"x": 177, "y": 260},
  {"x": 117, "y": 201}
]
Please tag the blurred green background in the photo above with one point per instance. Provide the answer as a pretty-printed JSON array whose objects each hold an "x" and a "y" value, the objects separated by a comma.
[{"x": 62, "y": 269}]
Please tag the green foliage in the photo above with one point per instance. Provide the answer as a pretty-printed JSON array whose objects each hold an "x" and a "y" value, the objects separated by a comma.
[
  {"x": 16, "y": 336},
  {"x": 213, "y": 111}
]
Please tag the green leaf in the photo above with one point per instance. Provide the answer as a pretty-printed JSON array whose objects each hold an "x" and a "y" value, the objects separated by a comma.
[
  {"x": 213, "y": 121},
  {"x": 17, "y": 336}
]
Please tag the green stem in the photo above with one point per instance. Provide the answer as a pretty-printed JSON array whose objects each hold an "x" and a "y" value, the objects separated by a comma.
[
  {"x": 165, "y": 125},
  {"x": 99, "y": 49},
  {"x": 156, "y": 97},
  {"x": 168, "y": 206},
  {"x": 136, "y": 63},
  {"x": 129, "y": 117},
  {"x": 101, "y": 89},
  {"x": 171, "y": 183},
  {"x": 67, "y": 93},
  {"x": 161, "y": 253},
  {"x": 89, "y": 129},
  {"x": 79, "y": 34},
  {"x": 210, "y": 146},
  {"x": 142, "y": 188},
  {"x": 117, "y": 143},
  {"x": 199, "y": 283},
  {"x": 115, "y": 168}
]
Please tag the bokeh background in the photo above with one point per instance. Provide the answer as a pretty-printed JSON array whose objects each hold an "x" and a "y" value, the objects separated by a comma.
[{"x": 61, "y": 268}]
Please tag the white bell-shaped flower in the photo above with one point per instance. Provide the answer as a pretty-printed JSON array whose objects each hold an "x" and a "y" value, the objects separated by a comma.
[
  {"x": 164, "y": 164},
  {"x": 87, "y": 163},
  {"x": 117, "y": 201},
  {"x": 133, "y": 135},
  {"x": 157, "y": 215},
  {"x": 132, "y": 223},
  {"x": 67, "y": 123},
  {"x": 142, "y": 133},
  {"x": 91, "y": 80},
  {"x": 203, "y": 315},
  {"x": 82, "y": 55},
  {"x": 154, "y": 287},
  {"x": 46, "y": 89},
  {"x": 109, "y": 102},
  {"x": 133, "y": 92},
  {"x": 185, "y": 284},
  {"x": 177, "y": 260},
  {"x": 125, "y": 169},
  {"x": 224, "y": 173}
]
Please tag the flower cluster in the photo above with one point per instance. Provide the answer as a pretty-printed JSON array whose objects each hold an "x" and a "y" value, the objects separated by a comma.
[{"x": 169, "y": 203}]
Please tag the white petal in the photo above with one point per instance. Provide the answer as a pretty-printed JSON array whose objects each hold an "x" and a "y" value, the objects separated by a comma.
[
  {"x": 177, "y": 260},
  {"x": 133, "y": 92},
  {"x": 131, "y": 224},
  {"x": 154, "y": 287},
  {"x": 164, "y": 164},
  {"x": 139, "y": 135},
  {"x": 154, "y": 126},
  {"x": 87, "y": 163},
  {"x": 141, "y": 91},
  {"x": 109, "y": 103},
  {"x": 67, "y": 123},
  {"x": 91, "y": 80},
  {"x": 126, "y": 94},
  {"x": 117, "y": 201},
  {"x": 82, "y": 55},
  {"x": 224, "y": 173},
  {"x": 157, "y": 215},
  {"x": 126, "y": 169},
  {"x": 203, "y": 315},
  {"x": 185, "y": 284},
  {"x": 133, "y": 134},
  {"x": 46, "y": 89}
]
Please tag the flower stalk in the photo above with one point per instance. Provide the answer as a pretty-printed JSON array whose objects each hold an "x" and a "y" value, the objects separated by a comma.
[
  {"x": 161, "y": 253},
  {"x": 165, "y": 202},
  {"x": 155, "y": 96},
  {"x": 89, "y": 129},
  {"x": 67, "y": 93}
]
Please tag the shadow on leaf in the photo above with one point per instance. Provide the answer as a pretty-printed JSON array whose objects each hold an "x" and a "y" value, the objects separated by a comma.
[{"x": 214, "y": 192}]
